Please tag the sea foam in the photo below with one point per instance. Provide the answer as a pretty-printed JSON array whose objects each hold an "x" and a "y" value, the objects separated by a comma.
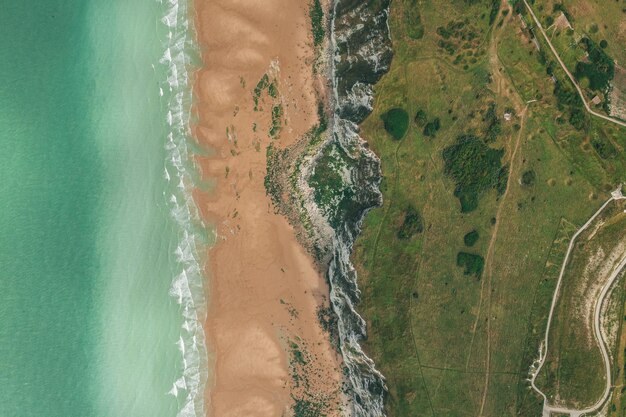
[{"x": 187, "y": 290}]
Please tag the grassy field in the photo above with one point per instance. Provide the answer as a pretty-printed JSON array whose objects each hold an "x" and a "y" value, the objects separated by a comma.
[
  {"x": 453, "y": 341},
  {"x": 574, "y": 372}
]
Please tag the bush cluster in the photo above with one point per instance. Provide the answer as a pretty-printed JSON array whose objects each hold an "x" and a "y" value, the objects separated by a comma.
[
  {"x": 471, "y": 238},
  {"x": 599, "y": 71},
  {"x": 475, "y": 168},
  {"x": 472, "y": 263},
  {"x": 396, "y": 122},
  {"x": 412, "y": 223}
]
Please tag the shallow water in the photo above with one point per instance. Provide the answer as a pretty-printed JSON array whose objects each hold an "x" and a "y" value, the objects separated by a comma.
[{"x": 101, "y": 291}]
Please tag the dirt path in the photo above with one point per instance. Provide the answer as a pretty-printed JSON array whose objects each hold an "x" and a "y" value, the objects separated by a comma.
[
  {"x": 580, "y": 91},
  {"x": 501, "y": 89},
  {"x": 548, "y": 409},
  {"x": 489, "y": 260}
]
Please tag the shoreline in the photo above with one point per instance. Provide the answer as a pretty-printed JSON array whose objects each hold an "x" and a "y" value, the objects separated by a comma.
[{"x": 264, "y": 290}]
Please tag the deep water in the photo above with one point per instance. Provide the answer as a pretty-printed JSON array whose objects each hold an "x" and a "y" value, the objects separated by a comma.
[{"x": 101, "y": 289}]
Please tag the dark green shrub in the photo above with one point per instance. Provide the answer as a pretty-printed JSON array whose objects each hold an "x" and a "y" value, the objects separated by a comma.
[
  {"x": 396, "y": 122},
  {"x": 432, "y": 127},
  {"x": 494, "y": 126},
  {"x": 601, "y": 68},
  {"x": 471, "y": 238},
  {"x": 568, "y": 99},
  {"x": 578, "y": 118},
  {"x": 503, "y": 178},
  {"x": 412, "y": 223},
  {"x": 493, "y": 13},
  {"x": 472, "y": 263},
  {"x": 528, "y": 178},
  {"x": 420, "y": 118},
  {"x": 316, "y": 13},
  {"x": 604, "y": 147},
  {"x": 475, "y": 168},
  {"x": 559, "y": 7}
]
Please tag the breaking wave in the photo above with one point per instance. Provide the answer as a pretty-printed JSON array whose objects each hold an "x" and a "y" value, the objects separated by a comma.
[{"x": 187, "y": 286}]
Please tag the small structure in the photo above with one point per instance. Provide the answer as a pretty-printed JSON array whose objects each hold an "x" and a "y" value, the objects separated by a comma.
[
  {"x": 596, "y": 100},
  {"x": 508, "y": 116}
]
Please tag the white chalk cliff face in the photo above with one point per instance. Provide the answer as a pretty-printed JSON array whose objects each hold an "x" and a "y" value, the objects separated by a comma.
[{"x": 362, "y": 54}]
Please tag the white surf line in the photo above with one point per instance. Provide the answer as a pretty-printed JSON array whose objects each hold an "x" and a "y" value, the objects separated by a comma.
[
  {"x": 543, "y": 349},
  {"x": 580, "y": 92}
]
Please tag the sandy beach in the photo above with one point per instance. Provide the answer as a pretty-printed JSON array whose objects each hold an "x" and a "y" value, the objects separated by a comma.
[{"x": 264, "y": 338}]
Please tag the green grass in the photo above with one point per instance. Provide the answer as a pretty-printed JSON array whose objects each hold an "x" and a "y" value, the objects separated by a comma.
[
  {"x": 413, "y": 20},
  {"x": 430, "y": 326},
  {"x": 574, "y": 369}
]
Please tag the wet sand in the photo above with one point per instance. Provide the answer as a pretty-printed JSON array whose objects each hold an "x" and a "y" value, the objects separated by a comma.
[{"x": 264, "y": 290}]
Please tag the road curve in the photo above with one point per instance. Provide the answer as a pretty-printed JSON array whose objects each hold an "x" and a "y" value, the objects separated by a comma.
[
  {"x": 580, "y": 91},
  {"x": 548, "y": 409}
]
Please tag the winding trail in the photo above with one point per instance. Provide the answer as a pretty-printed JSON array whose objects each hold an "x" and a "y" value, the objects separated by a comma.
[
  {"x": 571, "y": 77},
  {"x": 548, "y": 409}
]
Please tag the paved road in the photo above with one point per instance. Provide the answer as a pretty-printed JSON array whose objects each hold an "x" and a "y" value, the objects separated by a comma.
[
  {"x": 580, "y": 92},
  {"x": 547, "y": 408}
]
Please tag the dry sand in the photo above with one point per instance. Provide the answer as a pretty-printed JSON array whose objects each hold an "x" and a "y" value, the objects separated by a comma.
[{"x": 264, "y": 290}]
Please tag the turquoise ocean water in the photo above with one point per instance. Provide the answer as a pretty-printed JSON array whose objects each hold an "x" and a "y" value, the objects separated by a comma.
[{"x": 100, "y": 245}]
